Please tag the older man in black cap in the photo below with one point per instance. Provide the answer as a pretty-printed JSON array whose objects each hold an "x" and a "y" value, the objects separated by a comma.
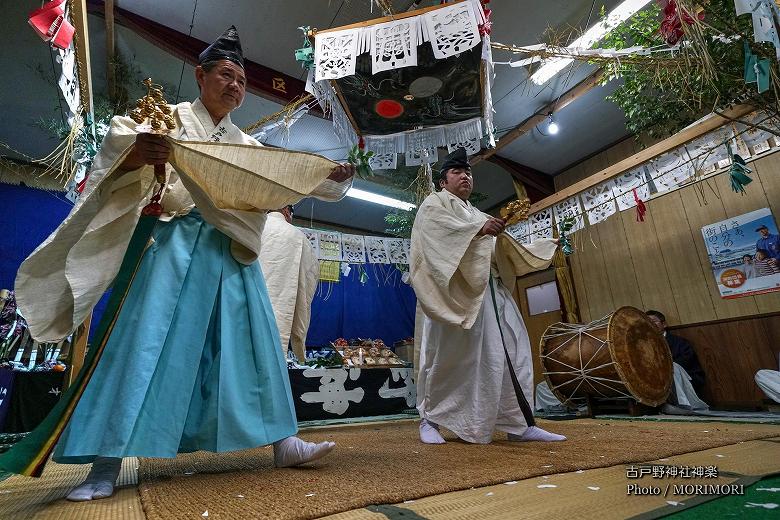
[
  {"x": 192, "y": 361},
  {"x": 466, "y": 381}
]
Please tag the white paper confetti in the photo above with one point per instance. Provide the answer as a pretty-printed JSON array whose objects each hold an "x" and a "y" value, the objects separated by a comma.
[
  {"x": 540, "y": 486},
  {"x": 720, "y": 456},
  {"x": 205, "y": 513},
  {"x": 240, "y": 496},
  {"x": 594, "y": 488},
  {"x": 489, "y": 494},
  {"x": 547, "y": 466},
  {"x": 773, "y": 490},
  {"x": 310, "y": 494},
  {"x": 511, "y": 483},
  {"x": 408, "y": 501},
  {"x": 675, "y": 504},
  {"x": 579, "y": 471},
  {"x": 765, "y": 506}
]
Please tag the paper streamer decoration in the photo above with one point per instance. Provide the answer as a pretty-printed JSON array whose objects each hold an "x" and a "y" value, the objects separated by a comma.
[{"x": 353, "y": 249}]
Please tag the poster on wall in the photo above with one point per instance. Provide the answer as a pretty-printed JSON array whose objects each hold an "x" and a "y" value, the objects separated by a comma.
[{"x": 744, "y": 252}]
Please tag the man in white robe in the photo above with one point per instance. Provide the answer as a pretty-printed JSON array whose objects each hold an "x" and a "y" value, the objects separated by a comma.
[
  {"x": 464, "y": 382},
  {"x": 62, "y": 280},
  {"x": 291, "y": 273}
]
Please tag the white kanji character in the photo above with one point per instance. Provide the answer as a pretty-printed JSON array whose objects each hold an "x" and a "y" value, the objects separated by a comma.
[{"x": 332, "y": 394}]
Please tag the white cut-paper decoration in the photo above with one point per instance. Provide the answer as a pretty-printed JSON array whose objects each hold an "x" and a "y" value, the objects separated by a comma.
[
  {"x": 602, "y": 212},
  {"x": 670, "y": 170},
  {"x": 596, "y": 195},
  {"x": 330, "y": 103},
  {"x": 329, "y": 245},
  {"x": 756, "y": 136},
  {"x": 467, "y": 134},
  {"x": 627, "y": 200},
  {"x": 387, "y": 161},
  {"x": 425, "y": 139},
  {"x": 765, "y": 14},
  {"x": 472, "y": 146},
  {"x": 314, "y": 240},
  {"x": 394, "y": 44},
  {"x": 353, "y": 249},
  {"x": 540, "y": 224},
  {"x": 452, "y": 29},
  {"x": 69, "y": 81},
  {"x": 376, "y": 250},
  {"x": 520, "y": 232},
  {"x": 424, "y": 156},
  {"x": 335, "y": 54},
  {"x": 623, "y": 187},
  {"x": 570, "y": 208},
  {"x": 707, "y": 150},
  {"x": 396, "y": 251}
]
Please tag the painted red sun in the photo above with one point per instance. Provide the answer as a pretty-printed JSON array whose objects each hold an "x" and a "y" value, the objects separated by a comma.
[{"x": 388, "y": 108}]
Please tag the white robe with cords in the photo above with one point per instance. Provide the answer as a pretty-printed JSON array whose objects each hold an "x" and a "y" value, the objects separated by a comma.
[
  {"x": 463, "y": 380},
  {"x": 291, "y": 274}
]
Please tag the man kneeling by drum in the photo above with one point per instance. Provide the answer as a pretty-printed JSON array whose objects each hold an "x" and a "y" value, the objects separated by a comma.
[{"x": 467, "y": 381}]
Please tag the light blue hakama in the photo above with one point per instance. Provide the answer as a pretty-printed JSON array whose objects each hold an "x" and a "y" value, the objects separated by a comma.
[{"x": 193, "y": 362}]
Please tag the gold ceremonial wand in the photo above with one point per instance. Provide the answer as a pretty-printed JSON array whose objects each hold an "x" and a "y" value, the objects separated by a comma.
[
  {"x": 515, "y": 211},
  {"x": 155, "y": 108}
]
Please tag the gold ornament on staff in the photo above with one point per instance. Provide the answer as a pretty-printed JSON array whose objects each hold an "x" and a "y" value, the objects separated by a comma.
[
  {"x": 155, "y": 109},
  {"x": 515, "y": 211}
]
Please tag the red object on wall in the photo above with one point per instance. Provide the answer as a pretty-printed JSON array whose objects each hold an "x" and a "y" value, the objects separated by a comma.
[
  {"x": 389, "y": 108},
  {"x": 51, "y": 25}
]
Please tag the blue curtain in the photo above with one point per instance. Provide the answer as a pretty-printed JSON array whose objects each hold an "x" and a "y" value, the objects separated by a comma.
[
  {"x": 380, "y": 307},
  {"x": 27, "y": 217}
]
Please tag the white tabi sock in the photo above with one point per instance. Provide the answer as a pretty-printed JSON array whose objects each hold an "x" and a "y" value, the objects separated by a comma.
[
  {"x": 429, "y": 433},
  {"x": 293, "y": 451},
  {"x": 100, "y": 481},
  {"x": 534, "y": 433}
]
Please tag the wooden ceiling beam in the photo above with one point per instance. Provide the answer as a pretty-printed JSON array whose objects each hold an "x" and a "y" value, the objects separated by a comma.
[{"x": 530, "y": 177}]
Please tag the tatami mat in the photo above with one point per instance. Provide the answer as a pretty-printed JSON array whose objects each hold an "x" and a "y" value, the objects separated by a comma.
[
  {"x": 43, "y": 499},
  {"x": 598, "y": 493}
]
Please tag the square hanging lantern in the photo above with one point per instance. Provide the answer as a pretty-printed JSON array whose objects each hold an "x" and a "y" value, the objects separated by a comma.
[{"x": 410, "y": 83}]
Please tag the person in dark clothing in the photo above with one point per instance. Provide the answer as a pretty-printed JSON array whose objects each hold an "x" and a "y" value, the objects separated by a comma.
[{"x": 682, "y": 351}]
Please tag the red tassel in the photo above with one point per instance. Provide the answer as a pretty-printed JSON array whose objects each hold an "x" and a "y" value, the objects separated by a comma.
[
  {"x": 361, "y": 143},
  {"x": 154, "y": 208},
  {"x": 641, "y": 209}
]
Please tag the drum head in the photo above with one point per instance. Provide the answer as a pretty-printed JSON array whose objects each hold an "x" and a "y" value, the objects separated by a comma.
[{"x": 641, "y": 355}]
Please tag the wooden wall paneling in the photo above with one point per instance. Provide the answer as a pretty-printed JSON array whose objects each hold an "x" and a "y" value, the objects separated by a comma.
[
  {"x": 691, "y": 296},
  {"x": 650, "y": 269},
  {"x": 730, "y": 353},
  {"x": 699, "y": 215},
  {"x": 617, "y": 263},
  {"x": 594, "y": 274},
  {"x": 577, "y": 276},
  {"x": 767, "y": 172}
]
